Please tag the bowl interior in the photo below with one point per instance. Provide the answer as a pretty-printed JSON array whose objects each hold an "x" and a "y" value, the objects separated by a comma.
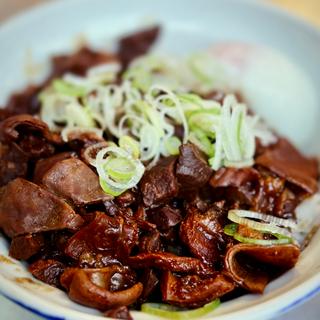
[{"x": 187, "y": 27}]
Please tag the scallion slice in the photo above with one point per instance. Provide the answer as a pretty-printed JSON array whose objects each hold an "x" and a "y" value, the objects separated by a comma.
[
  {"x": 274, "y": 226},
  {"x": 172, "y": 145},
  {"x": 130, "y": 145},
  {"x": 230, "y": 229},
  {"x": 234, "y": 216},
  {"x": 68, "y": 89},
  {"x": 262, "y": 242},
  {"x": 287, "y": 223},
  {"x": 118, "y": 170},
  {"x": 175, "y": 313}
]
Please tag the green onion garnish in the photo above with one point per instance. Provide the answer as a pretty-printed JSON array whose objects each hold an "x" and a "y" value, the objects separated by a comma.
[{"x": 175, "y": 313}]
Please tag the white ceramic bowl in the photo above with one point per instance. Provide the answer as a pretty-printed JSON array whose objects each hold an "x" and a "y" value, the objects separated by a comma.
[{"x": 188, "y": 26}]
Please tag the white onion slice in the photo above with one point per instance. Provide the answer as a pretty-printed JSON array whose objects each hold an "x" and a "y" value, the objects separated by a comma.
[
  {"x": 234, "y": 216},
  {"x": 286, "y": 223}
]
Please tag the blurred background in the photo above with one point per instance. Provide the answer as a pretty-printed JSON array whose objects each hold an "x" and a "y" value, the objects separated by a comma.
[{"x": 308, "y": 10}]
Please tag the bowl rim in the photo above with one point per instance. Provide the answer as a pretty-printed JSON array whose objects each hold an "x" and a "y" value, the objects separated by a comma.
[
  {"x": 280, "y": 304},
  {"x": 34, "y": 10}
]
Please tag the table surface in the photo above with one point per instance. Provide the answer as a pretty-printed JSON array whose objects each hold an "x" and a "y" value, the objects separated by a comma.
[{"x": 308, "y": 9}]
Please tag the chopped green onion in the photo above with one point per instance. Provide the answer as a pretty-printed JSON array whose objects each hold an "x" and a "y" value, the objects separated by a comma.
[
  {"x": 239, "y": 164},
  {"x": 68, "y": 89},
  {"x": 175, "y": 313},
  {"x": 152, "y": 99},
  {"x": 191, "y": 101},
  {"x": 104, "y": 73},
  {"x": 130, "y": 145},
  {"x": 168, "y": 104},
  {"x": 172, "y": 145},
  {"x": 216, "y": 161},
  {"x": 239, "y": 217},
  {"x": 199, "y": 65},
  {"x": 259, "y": 226},
  {"x": 149, "y": 143},
  {"x": 91, "y": 151},
  {"x": 119, "y": 169},
  {"x": 287, "y": 223},
  {"x": 110, "y": 189},
  {"x": 141, "y": 79},
  {"x": 262, "y": 242},
  {"x": 230, "y": 229},
  {"x": 201, "y": 140},
  {"x": 77, "y": 115},
  {"x": 236, "y": 136}
]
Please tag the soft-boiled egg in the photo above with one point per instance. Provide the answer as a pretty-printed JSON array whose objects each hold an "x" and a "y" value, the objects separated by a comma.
[{"x": 273, "y": 85}]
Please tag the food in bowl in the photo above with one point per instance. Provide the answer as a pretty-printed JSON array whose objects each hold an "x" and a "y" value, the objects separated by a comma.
[{"x": 133, "y": 180}]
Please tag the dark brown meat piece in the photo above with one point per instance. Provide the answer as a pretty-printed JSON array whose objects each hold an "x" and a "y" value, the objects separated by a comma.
[
  {"x": 96, "y": 260},
  {"x": 30, "y": 134},
  {"x": 55, "y": 243},
  {"x": 257, "y": 189},
  {"x": 285, "y": 204},
  {"x": 272, "y": 195},
  {"x": 82, "y": 147},
  {"x": 192, "y": 291},
  {"x": 116, "y": 277},
  {"x": 13, "y": 163},
  {"x": 85, "y": 138},
  {"x": 73, "y": 180},
  {"x": 90, "y": 288},
  {"x": 27, "y": 208},
  {"x": 287, "y": 162},
  {"x": 170, "y": 237},
  {"x": 203, "y": 234},
  {"x": 193, "y": 171},
  {"x": 122, "y": 279},
  {"x": 137, "y": 44},
  {"x": 48, "y": 271},
  {"x": 150, "y": 281},
  {"x": 240, "y": 185},
  {"x": 25, "y": 102},
  {"x": 108, "y": 236},
  {"x": 25, "y": 246},
  {"x": 179, "y": 131},
  {"x": 169, "y": 261},
  {"x": 200, "y": 199},
  {"x": 43, "y": 165},
  {"x": 11, "y": 128},
  {"x": 36, "y": 147},
  {"x": 150, "y": 242},
  {"x": 159, "y": 184},
  {"x": 247, "y": 264},
  {"x": 233, "y": 177},
  {"x": 126, "y": 199},
  {"x": 113, "y": 209},
  {"x": 79, "y": 141},
  {"x": 79, "y": 62},
  {"x": 140, "y": 216},
  {"x": 165, "y": 217},
  {"x": 119, "y": 313}
]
